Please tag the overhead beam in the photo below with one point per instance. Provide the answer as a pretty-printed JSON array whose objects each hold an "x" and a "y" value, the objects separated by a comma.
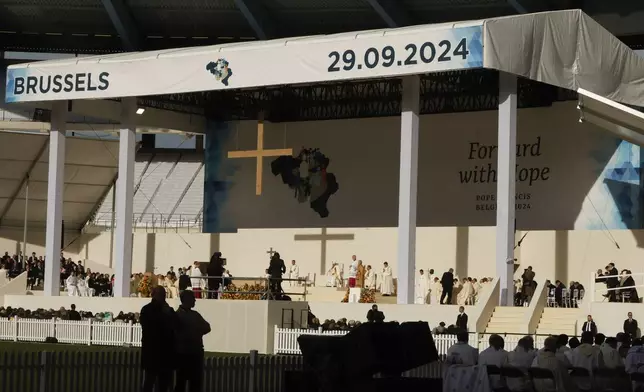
[
  {"x": 123, "y": 22},
  {"x": 257, "y": 18},
  {"x": 27, "y": 174},
  {"x": 391, "y": 12},
  {"x": 518, "y": 7}
]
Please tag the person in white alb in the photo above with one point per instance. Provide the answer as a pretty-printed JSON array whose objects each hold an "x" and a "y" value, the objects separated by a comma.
[
  {"x": 196, "y": 280},
  {"x": 82, "y": 287},
  {"x": 422, "y": 289},
  {"x": 370, "y": 279},
  {"x": 294, "y": 273},
  {"x": 72, "y": 285},
  {"x": 461, "y": 353},
  {"x": 353, "y": 273},
  {"x": 387, "y": 287},
  {"x": 495, "y": 355}
]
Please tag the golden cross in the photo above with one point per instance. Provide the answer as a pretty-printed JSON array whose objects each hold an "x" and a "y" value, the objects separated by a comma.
[{"x": 260, "y": 154}]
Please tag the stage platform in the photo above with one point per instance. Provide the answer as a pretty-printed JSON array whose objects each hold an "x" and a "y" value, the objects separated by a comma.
[{"x": 237, "y": 326}]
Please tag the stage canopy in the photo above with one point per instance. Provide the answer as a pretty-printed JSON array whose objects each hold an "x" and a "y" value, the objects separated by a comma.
[{"x": 563, "y": 48}]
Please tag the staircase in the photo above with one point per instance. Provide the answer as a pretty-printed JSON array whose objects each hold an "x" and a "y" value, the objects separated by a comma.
[
  {"x": 556, "y": 321},
  {"x": 507, "y": 319}
]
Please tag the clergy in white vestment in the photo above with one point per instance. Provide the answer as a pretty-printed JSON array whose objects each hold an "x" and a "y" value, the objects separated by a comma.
[
  {"x": 387, "y": 287},
  {"x": 82, "y": 287},
  {"x": 422, "y": 289},
  {"x": 353, "y": 272},
  {"x": 521, "y": 358},
  {"x": 494, "y": 355},
  {"x": 585, "y": 356},
  {"x": 467, "y": 291},
  {"x": 436, "y": 290},
  {"x": 339, "y": 275},
  {"x": 461, "y": 353},
  {"x": 635, "y": 357},
  {"x": 546, "y": 359},
  {"x": 294, "y": 273},
  {"x": 72, "y": 285},
  {"x": 608, "y": 355},
  {"x": 370, "y": 279},
  {"x": 330, "y": 276},
  {"x": 196, "y": 280}
]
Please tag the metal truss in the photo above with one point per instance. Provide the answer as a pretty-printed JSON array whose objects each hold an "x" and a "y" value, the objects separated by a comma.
[{"x": 448, "y": 92}]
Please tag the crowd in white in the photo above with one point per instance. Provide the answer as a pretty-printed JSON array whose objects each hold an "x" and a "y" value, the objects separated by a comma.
[
  {"x": 561, "y": 365},
  {"x": 428, "y": 290}
]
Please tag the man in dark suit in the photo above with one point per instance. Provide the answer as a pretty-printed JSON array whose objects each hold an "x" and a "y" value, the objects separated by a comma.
[
  {"x": 447, "y": 281},
  {"x": 215, "y": 268},
  {"x": 630, "y": 326},
  {"x": 374, "y": 315},
  {"x": 276, "y": 269},
  {"x": 158, "y": 324},
  {"x": 589, "y": 326},
  {"x": 612, "y": 282},
  {"x": 461, "y": 319}
]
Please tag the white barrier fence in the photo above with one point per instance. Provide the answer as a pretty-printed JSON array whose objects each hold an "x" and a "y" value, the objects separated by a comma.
[
  {"x": 77, "y": 332},
  {"x": 286, "y": 340}
]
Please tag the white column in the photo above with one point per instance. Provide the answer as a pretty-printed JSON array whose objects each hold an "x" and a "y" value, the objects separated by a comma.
[
  {"x": 408, "y": 188},
  {"x": 505, "y": 186},
  {"x": 55, "y": 184},
  {"x": 125, "y": 199}
]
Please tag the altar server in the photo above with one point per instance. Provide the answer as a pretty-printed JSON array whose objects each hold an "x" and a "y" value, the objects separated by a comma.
[
  {"x": 294, "y": 273},
  {"x": 387, "y": 287},
  {"x": 422, "y": 288}
]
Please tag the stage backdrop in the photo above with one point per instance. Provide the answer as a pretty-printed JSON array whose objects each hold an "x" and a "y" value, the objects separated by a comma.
[{"x": 570, "y": 175}]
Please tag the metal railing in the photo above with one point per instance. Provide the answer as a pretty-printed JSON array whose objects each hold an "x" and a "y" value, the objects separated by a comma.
[
  {"x": 153, "y": 222},
  {"x": 86, "y": 332},
  {"x": 599, "y": 290},
  {"x": 264, "y": 292},
  {"x": 285, "y": 341},
  {"x": 120, "y": 370}
]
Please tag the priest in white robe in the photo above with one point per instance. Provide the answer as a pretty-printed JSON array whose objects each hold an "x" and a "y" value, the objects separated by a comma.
[
  {"x": 294, "y": 273},
  {"x": 546, "y": 359},
  {"x": 495, "y": 355},
  {"x": 436, "y": 290},
  {"x": 353, "y": 273},
  {"x": 387, "y": 287},
  {"x": 585, "y": 356},
  {"x": 82, "y": 287},
  {"x": 72, "y": 285},
  {"x": 461, "y": 353},
  {"x": 608, "y": 355},
  {"x": 370, "y": 279},
  {"x": 521, "y": 358},
  {"x": 330, "y": 276},
  {"x": 422, "y": 288},
  {"x": 467, "y": 292}
]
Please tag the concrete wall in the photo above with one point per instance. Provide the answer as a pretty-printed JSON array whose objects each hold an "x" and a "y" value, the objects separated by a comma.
[
  {"x": 237, "y": 326},
  {"x": 610, "y": 317}
]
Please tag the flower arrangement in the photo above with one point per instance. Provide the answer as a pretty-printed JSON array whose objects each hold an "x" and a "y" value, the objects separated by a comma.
[
  {"x": 366, "y": 296},
  {"x": 247, "y": 292},
  {"x": 145, "y": 288}
]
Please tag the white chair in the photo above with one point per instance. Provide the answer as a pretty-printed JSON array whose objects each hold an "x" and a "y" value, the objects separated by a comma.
[
  {"x": 551, "y": 303},
  {"x": 565, "y": 298}
]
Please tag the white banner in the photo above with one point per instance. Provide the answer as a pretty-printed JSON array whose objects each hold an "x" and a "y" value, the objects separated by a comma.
[{"x": 310, "y": 60}]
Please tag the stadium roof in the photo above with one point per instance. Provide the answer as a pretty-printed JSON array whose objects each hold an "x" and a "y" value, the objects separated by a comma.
[
  {"x": 90, "y": 170},
  {"x": 567, "y": 49},
  {"x": 102, "y": 26}
]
